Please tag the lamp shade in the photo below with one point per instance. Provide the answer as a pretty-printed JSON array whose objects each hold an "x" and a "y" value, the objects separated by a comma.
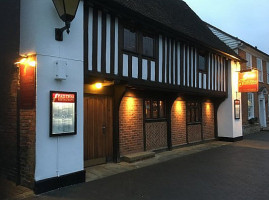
[{"x": 66, "y": 9}]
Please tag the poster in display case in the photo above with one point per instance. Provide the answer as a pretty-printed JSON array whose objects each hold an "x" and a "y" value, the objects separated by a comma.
[{"x": 63, "y": 113}]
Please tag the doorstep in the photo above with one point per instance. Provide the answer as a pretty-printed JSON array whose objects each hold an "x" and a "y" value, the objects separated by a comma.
[{"x": 130, "y": 158}]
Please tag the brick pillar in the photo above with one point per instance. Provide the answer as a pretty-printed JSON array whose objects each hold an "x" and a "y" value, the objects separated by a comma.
[
  {"x": 131, "y": 125},
  {"x": 178, "y": 123},
  {"x": 208, "y": 120}
]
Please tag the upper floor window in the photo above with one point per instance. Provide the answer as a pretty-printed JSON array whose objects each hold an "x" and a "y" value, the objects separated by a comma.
[
  {"x": 148, "y": 46},
  {"x": 260, "y": 69},
  {"x": 267, "y": 66},
  {"x": 129, "y": 42},
  {"x": 249, "y": 60},
  {"x": 193, "y": 113},
  {"x": 154, "y": 109},
  {"x": 250, "y": 105},
  {"x": 202, "y": 63}
]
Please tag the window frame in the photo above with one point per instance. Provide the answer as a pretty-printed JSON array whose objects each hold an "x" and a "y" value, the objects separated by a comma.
[
  {"x": 136, "y": 40},
  {"x": 139, "y": 43},
  {"x": 251, "y": 106},
  {"x": 249, "y": 61},
  {"x": 144, "y": 35},
  {"x": 189, "y": 107},
  {"x": 260, "y": 70},
  {"x": 158, "y": 118},
  {"x": 267, "y": 67},
  {"x": 202, "y": 54}
]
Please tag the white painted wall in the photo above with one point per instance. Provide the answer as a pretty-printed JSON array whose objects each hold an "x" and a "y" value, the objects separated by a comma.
[
  {"x": 58, "y": 155},
  {"x": 227, "y": 125}
]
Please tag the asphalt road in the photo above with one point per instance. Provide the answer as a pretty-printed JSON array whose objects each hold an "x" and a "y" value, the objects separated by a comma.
[{"x": 236, "y": 171}]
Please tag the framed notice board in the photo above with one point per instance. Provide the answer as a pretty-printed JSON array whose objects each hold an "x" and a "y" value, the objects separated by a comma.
[{"x": 63, "y": 113}]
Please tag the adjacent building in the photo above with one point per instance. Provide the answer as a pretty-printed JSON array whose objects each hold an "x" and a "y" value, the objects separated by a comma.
[
  {"x": 255, "y": 107},
  {"x": 131, "y": 76}
]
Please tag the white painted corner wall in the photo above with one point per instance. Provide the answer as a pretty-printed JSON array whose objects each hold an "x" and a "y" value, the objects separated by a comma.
[
  {"x": 228, "y": 126},
  {"x": 55, "y": 156}
]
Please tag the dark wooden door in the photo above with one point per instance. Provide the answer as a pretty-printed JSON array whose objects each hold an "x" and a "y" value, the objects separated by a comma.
[{"x": 98, "y": 130}]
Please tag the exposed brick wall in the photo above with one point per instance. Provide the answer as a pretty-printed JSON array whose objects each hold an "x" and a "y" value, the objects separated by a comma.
[
  {"x": 208, "y": 120},
  {"x": 27, "y": 145},
  {"x": 156, "y": 135},
  {"x": 178, "y": 123},
  {"x": 9, "y": 53},
  {"x": 194, "y": 133},
  {"x": 131, "y": 125},
  {"x": 8, "y": 126}
]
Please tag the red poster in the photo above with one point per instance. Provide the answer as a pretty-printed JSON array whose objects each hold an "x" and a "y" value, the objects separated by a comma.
[
  {"x": 63, "y": 97},
  {"x": 248, "y": 81}
]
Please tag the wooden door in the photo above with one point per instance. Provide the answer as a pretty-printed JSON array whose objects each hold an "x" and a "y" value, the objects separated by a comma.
[{"x": 98, "y": 130}]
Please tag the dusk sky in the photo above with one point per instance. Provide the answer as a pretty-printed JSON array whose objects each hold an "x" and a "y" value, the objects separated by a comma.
[{"x": 246, "y": 19}]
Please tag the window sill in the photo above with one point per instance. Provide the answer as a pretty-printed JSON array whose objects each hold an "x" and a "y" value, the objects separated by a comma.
[
  {"x": 194, "y": 123},
  {"x": 155, "y": 120}
]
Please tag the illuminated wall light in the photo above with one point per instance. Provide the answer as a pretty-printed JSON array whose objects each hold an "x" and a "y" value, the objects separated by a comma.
[
  {"x": 98, "y": 85},
  {"x": 27, "y": 62}
]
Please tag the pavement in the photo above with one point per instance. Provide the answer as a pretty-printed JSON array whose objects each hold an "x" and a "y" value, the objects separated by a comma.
[{"x": 213, "y": 170}]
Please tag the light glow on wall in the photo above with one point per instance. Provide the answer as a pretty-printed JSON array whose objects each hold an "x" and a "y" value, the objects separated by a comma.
[
  {"x": 179, "y": 106},
  {"x": 130, "y": 104},
  {"x": 208, "y": 108}
]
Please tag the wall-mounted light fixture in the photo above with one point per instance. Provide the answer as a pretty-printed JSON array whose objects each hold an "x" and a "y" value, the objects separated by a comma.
[
  {"x": 66, "y": 10},
  {"x": 28, "y": 61}
]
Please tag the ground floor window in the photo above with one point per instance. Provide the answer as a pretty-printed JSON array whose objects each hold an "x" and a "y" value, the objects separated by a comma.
[
  {"x": 250, "y": 105},
  {"x": 194, "y": 113},
  {"x": 154, "y": 109}
]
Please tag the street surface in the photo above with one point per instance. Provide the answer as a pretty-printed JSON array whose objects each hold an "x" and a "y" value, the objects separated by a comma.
[{"x": 236, "y": 171}]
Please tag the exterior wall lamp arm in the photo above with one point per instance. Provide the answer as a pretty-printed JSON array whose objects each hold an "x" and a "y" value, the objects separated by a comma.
[{"x": 59, "y": 31}]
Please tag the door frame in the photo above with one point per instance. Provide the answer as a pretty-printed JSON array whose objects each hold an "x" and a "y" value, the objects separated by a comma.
[
  {"x": 105, "y": 159},
  {"x": 262, "y": 112}
]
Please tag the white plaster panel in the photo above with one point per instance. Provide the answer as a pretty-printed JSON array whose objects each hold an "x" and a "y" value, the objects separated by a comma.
[
  {"x": 170, "y": 60},
  {"x": 165, "y": 64},
  {"x": 134, "y": 67},
  {"x": 90, "y": 42},
  {"x": 195, "y": 68},
  {"x": 37, "y": 35},
  {"x": 204, "y": 81},
  {"x": 227, "y": 125},
  {"x": 38, "y": 21},
  {"x": 209, "y": 70},
  {"x": 191, "y": 65},
  {"x": 144, "y": 69},
  {"x": 116, "y": 60},
  {"x": 125, "y": 65},
  {"x": 184, "y": 66},
  {"x": 188, "y": 66},
  {"x": 160, "y": 59},
  {"x": 200, "y": 80},
  {"x": 178, "y": 63},
  {"x": 65, "y": 156},
  {"x": 99, "y": 41},
  {"x": 174, "y": 63},
  {"x": 108, "y": 47},
  {"x": 152, "y": 68}
]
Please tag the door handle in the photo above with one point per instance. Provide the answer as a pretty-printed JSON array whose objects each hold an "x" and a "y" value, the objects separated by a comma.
[{"x": 104, "y": 129}]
